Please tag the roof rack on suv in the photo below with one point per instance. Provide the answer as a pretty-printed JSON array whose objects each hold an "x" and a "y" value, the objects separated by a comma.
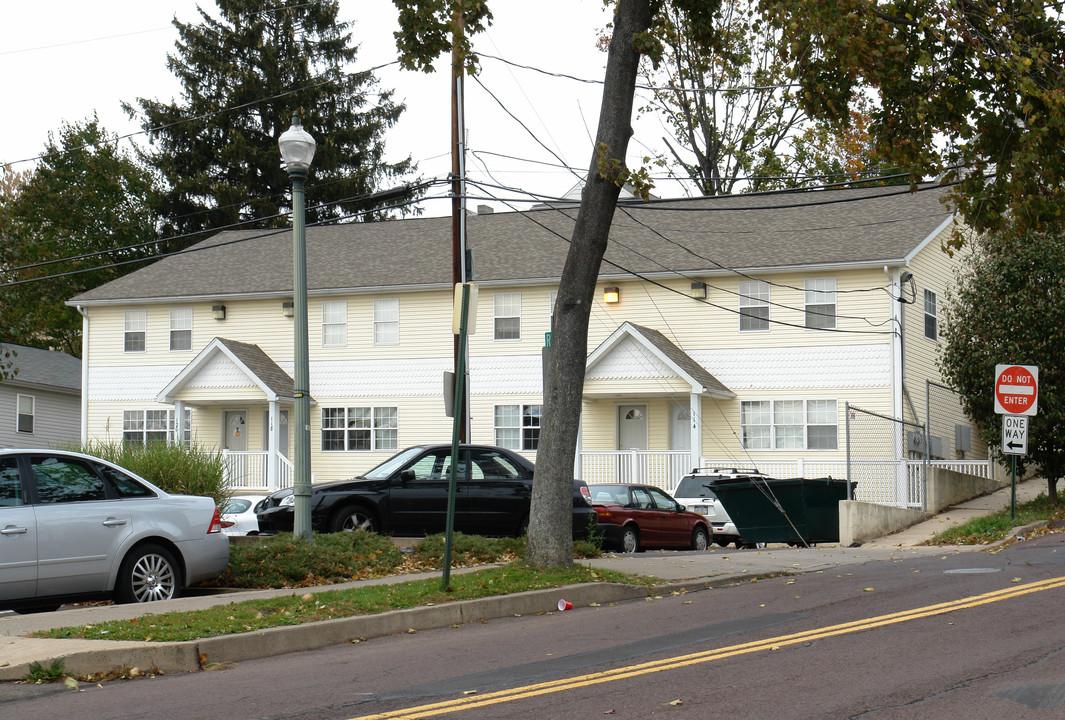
[{"x": 726, "y": 471}]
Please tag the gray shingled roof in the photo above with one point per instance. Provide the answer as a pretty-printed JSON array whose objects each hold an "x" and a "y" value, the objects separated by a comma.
[
  {"x": 45, "y": 369},
  {"x": 256, "y": 360},
  {"x": 781, "y": 230},
  {"x": 682, "y": 359}
]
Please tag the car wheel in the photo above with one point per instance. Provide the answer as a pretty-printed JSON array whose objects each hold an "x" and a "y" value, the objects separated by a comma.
[
  {"x": 149, "y": 572},
  {"x": 700, "y": 539},
  {"x": 630, "y": 539},
  {"x": 353, "y": 518}
]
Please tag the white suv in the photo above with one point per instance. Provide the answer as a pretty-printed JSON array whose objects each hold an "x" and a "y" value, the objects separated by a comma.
[{"x": 695, "y": 492}]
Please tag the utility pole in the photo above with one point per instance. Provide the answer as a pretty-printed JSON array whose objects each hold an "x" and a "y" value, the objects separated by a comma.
[{"x": 458, "y": 205}]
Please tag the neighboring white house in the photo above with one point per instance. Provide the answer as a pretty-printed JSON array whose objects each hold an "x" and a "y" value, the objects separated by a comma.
[
  {"x": 743, "y": 326},
  {"x": 40, "y": 405}
]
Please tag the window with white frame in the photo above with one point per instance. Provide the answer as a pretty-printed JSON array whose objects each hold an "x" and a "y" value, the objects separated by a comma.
[
  {"x": 360, "y": 428},
  {"x": 507, "y": 316},
  {"x": 789, "y": 425},
  {"x": 140, "y": 427},
  {"x": 517, "y": 427},
  {"x": 386, "y": 321},
  {"x": 25, "y": 412},
  {"x": 334, "y": 323},
  {"x": 754, "y": 305},
  {"x": 136, "y": 326},
  {"x": 931, "y": 315},
  {"x": 820, "y": 303},
  {"x": 181, "y": 328}
]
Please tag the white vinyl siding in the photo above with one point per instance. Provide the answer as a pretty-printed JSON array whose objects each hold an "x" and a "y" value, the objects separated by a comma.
[
  {"x": 820, "y": 297},
  {"x": 789, "y": 425},
  {"x": 386, "y": 321},
  {"x": 135, "y": 329},
  {"x": 360, "y": 428},
  {"x": 181, "y": 329},
  {"x": 334, "y": 323},
  {"x": 754, "y": 305},
  {"x": 507, "y": 316},
  {"x": 517, "y": 427},
  {"x": 26, "y": 407}
]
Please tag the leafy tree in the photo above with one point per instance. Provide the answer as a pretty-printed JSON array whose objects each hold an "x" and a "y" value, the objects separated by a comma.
[
  {"x": 732, "y": 109},
  {"x": 243, "y": 74},
  {"x": 973, "y": 89},
  {"x": 86, "y": 197},
  {"x": 1009, "y": 307},
  {"x": 11, "y": 182}
]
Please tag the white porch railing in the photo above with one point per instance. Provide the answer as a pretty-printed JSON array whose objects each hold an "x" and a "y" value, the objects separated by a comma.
[
  {"x": 249, "y": 471},
  {"x": 661, "y": 468}
]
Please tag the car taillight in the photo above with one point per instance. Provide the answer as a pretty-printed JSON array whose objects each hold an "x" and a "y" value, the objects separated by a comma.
[
  {"x": 216, "y": 523},
  {"x": 228, "y": 523},
  {"x": 586, "y": 494},
  {"x": 602, "y": 512}
]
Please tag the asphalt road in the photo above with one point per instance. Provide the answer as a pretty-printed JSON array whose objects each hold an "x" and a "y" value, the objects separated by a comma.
[{"x": 974, "y": 635}]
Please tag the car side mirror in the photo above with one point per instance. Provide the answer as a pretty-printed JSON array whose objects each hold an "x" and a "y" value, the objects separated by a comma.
[
  {"x": 406, "y": 475},
  {"x": 680, "y": 508}
]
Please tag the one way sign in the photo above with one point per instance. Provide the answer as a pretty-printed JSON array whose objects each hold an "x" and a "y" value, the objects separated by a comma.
[{"x": 1014, "y": 435}]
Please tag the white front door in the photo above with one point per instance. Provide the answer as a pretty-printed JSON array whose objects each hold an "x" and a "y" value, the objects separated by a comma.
[
  {"x": 680, "y": 435},
  {"x": 632, "y": 427},
  {"x": 236, "y": 430},
  {"x": 283, "y": 442}
]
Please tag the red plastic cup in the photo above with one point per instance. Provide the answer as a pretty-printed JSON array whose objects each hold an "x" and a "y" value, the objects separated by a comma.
[{"x": 565, "y": 605}]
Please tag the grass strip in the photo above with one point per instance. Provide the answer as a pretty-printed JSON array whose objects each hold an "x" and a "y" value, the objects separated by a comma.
[
  {"x": 992, "y": 528},
  {"x": 250, "y": 615}
]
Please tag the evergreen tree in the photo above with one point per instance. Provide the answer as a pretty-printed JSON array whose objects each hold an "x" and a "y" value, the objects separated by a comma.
[
  {"x": 68, "y": 227},
  {"x": 243, "y": 75}
]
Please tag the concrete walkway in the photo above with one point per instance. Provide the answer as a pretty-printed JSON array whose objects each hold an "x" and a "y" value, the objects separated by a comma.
[{"x": 676, "y": 571}]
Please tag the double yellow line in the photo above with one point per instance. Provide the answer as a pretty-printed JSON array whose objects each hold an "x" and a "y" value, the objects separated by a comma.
[{"x": 555, "y": 686}]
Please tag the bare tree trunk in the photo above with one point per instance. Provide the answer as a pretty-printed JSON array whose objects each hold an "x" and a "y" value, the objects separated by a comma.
[
  {"x": 1052, "y": 490},
  {"x": 550, "y": 540}
]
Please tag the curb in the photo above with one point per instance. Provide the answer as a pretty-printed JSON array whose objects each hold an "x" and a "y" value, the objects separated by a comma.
[{"x": 193, "y": 655}]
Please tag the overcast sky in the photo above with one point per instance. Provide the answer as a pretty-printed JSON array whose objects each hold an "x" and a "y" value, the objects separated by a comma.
[{"x": 63, "y": 59}]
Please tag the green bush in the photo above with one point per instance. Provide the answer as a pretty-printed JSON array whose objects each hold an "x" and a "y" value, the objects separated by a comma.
[
  {"x": 468, "y": 549},
  {"x": 281, "y": 561},
  {"x": 173, "y": 468}
]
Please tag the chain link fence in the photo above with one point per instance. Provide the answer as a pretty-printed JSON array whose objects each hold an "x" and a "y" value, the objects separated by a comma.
[
  {"x": 880, "y": 458},
  {"x": 951, "y": 435}
]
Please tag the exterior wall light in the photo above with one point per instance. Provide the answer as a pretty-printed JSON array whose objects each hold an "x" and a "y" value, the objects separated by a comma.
[
  {"x": 611, "y": 295},
  {"x": 287, "y": 309},
  {"x": 699, "y": 290},
  {"x": 218, "y": 312}
]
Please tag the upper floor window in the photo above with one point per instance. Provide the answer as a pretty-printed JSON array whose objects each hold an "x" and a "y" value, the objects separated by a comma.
[
  {"x": 136, "y": 325},
  {"x": 386, "y": 321},
  {"x": 181, "y": 329},
  {"x": 931, "y": 321},
  {"x": 517, "y": 427},
  {"x": 360, "y": 428},
  {"x": 754, "y": 305},
  {"x": 334, "y": 323},
  {"x": 821, "y": 303},
  {"x": 24, "y": 423},
  {"x": 507, "y": 316}
]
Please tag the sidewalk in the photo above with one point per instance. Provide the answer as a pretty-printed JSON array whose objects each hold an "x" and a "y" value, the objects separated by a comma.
[{"x": 678, "y": 571}]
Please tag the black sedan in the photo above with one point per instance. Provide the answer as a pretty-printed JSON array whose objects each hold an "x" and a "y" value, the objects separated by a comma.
[{"x": 407, "y": 495}]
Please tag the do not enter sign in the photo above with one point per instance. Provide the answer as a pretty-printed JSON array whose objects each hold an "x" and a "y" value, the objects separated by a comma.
[{"x": 1016, "y": 389}]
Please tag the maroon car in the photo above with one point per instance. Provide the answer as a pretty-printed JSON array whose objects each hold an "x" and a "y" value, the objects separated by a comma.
[{"x": 634, "y": 517}]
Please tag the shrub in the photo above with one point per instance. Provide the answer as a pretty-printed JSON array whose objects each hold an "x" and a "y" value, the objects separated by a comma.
[
  {"x": 281, "y": 561},
  {"x": 173, "y": 468}
]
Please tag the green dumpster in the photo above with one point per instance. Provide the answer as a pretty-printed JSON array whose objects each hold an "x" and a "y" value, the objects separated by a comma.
[{"x": 799, "y": 511}]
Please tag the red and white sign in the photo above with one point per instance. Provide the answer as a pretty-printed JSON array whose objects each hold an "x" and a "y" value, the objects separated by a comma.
[{"x": 1016, "y": 389}]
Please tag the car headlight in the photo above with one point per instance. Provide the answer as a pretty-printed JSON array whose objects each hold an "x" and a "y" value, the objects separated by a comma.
[{"x": 288, "y": 501}]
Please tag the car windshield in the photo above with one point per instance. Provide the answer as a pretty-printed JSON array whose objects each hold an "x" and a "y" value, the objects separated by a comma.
[
  {"x": 393, "y": 463},
  {"x": 694, "y": 486}
]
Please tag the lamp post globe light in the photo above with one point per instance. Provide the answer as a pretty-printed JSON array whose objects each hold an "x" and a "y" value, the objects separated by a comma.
[{"x": 297, "y": 151}]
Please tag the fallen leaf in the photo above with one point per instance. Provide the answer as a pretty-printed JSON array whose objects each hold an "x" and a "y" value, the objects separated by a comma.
[
  {"x": 1015, "y": 580},
  {"x": 674, "y": 703},
  {"x": 469, "y": 692},
  {"x": 71, "y": 683},
  {"x": 868, "y": 589}
]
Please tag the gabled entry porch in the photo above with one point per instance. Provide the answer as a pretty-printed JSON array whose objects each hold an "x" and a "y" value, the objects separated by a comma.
[
  {"x": 643, "y": 405},
  {"x": 238, "y": 394}
]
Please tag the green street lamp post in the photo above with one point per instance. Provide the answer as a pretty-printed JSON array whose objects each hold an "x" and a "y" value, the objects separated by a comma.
[{"x": 297, "y": 151}]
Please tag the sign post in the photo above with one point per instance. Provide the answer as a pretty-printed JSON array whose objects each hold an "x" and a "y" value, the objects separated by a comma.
[{"x": 1016, "y": 398}]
